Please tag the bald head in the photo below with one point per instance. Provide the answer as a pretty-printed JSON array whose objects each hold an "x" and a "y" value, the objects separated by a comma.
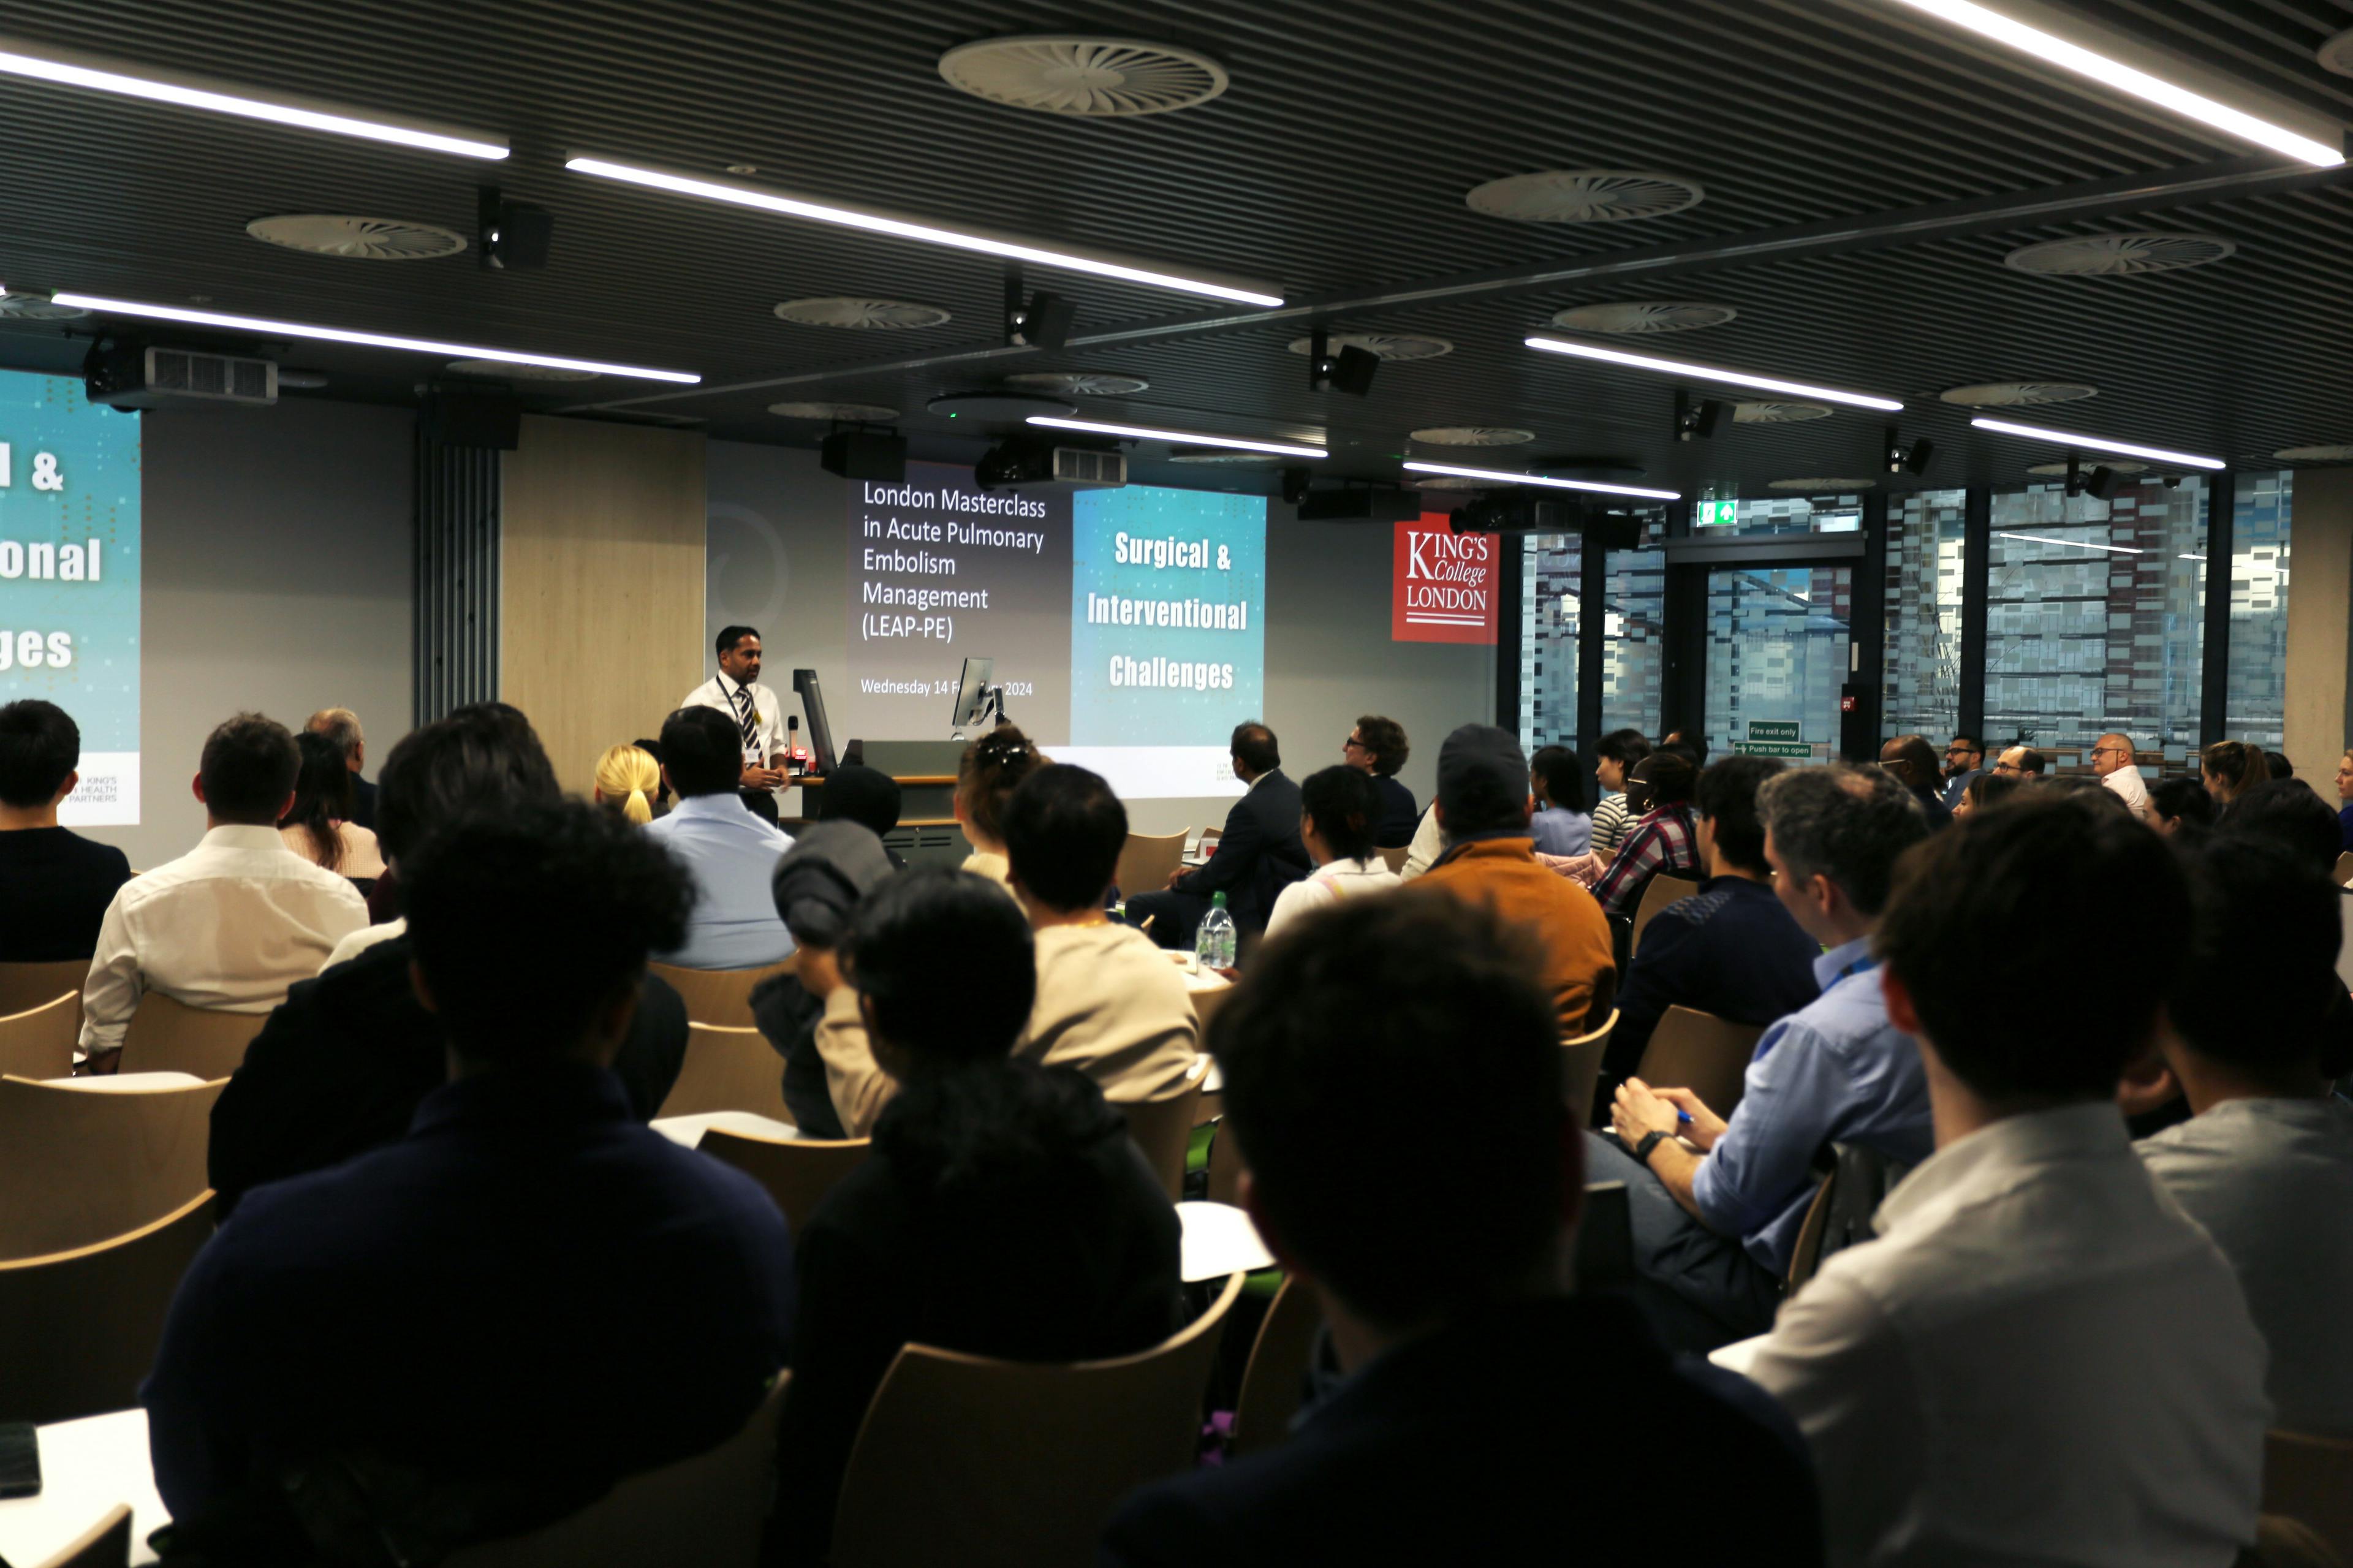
[
  {"x": 2020, "y": 763},
  {"x": 2110, "y": 752},
  {"x": 1911, "y": 758},
  {"x": 339, "y": 726}
]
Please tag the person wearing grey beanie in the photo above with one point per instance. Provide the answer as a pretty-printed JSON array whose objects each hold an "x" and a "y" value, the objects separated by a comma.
[{"x": 817, "y": 883}]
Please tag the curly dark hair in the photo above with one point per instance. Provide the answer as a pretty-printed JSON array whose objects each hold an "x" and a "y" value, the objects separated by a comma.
[{"x": 1385, "y": 739}]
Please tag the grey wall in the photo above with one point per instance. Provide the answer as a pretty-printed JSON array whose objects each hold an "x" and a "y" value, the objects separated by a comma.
[{"x": 279, "y": 577}]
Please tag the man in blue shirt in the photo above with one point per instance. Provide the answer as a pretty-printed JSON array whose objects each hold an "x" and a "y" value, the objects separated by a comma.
[
  {"x": 1714, "y": 1223},
  {"x": 483, "y": 1326},
  {"x": 730, "y": 853}
]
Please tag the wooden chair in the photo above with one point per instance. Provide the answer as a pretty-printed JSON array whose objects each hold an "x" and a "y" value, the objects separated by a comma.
[
  {"x": 1700, "y": 1052},
  {"x": 1807, "y": 1256},
  {"x": 40, "y": 1041},
  {"x": 720, "y": 997},
  {"x": 1163, "y": 1128},
  {"x": 25, "y": 986},
  {"x": 1581, "y": 1066},
  {"x": 81, "y": 1165},
  {"x": 167, "y": 1035},
  {"x": 798, "y": 1172},
  {"x": 1275, "y": 1378},
  {"x": 1395, "y": 859},
  {"x": 95, "y": 1315},
  {"x": 1665, "y": 889},
  {"x": 106, "y": 1544},
  {"x": 728, "y": 1069},
  {"x": 999, "y": 1464},
  {"x": 2310, "y": 1479},
  {"x": 2282, "y": 1543},
  {"x": 1145, "y": 862},
  {"x": 707, "y": 1510}
]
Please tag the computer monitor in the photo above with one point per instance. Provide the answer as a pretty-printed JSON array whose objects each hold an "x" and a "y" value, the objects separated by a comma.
[
  {"x": 972, "y": 693},
  {"x": 821, "y": 761}
]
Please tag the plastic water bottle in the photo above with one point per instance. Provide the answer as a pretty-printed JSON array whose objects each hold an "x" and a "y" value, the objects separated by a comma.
[{"x": 1214, "y": 943}]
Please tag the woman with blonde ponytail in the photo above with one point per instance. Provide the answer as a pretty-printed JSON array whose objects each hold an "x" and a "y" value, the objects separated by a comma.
[{"x": 627, "y": 778}]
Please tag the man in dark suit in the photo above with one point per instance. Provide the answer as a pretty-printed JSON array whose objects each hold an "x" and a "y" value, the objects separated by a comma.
[
  {"x": 1257, "y": 856},
  {"x": 1476, "y": 1390},
  {"x": 341, "y": 727}
]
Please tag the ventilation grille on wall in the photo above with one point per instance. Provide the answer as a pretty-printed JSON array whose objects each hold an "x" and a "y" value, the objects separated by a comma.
[{"x": 1079, "y": 465}]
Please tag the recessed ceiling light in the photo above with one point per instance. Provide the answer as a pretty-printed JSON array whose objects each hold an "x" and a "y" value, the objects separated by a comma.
[
  {"x": 1584, "y": 195},
  {"x": 1499, "y": 477},
  {"x": 2327, "y": 452},
  {"x": 1815, "y": 485},
  {"x": 1150, "y": 274},
  {"x": 2069, "y": 544},
  {"x": 1709, "y": 372},
  {"x": 69, "y": 69},
  {"x": 860, "y": 314},
  {"x": 1183, "y": 437},
  {"x": 2094, "y": 444},
  {"x": 2017, "y": 394},
  {"x": 365, "y": 340},
  {"x": 2108, "y": 71},
  {"x": 1063, "y": 74}
]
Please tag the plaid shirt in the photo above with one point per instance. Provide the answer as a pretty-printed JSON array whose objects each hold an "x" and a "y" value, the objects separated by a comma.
[{"x": 1664, "y": 840}]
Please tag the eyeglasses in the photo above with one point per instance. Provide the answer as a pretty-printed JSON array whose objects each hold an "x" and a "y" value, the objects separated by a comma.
[
  {"x": 2009, "y": 768},
  {"x": 1352, "y": 743},
  {"x": 2126, "y": 750}
]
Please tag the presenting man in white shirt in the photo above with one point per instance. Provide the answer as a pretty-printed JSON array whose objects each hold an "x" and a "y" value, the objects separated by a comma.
[
  {"x": 236, "y": 921},
  {"x": 2112, "y": 760},
  {"x": 2041, "y": 1359},
  {"x": 758, "y": 717}
]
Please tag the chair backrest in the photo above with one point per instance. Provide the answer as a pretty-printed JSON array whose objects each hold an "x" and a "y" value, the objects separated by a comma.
[
  {"x": 1145, "y": 861},
  {"x": 1274, "y": 1381},
  {"x": 40, "y": 1041},
  {"x": 2310, "y": 1479},
  {"x": 1000, "y": 1464},
  {"x": 2343, "y": 867},
  {"x": 1604, "y": 1002},
  {"x": 1163, "y": 1128},
  {"x": 24, "y": 986},
  {"x": 798, "y": 1172},
  {"x": 1395, "y": 859},
  {"x": 94, "y": 1315},
  {"x": 707, "y": 1510},
  {"x": 1664, "y": 889},
  {"x": 1581, "y": 1066},
  {"x": 168, "y": 1035},
  {"x": 106, "y": 1544},
  {"x": 1206, "y": 1000},
  {"x": 722, "y": 997},
  {"x": 82, "y": 1165},
  {"x": 728, "y": 1069},
  {"x": 1700, "y": 1052},
  {"x": 1807, "y": 1256}
]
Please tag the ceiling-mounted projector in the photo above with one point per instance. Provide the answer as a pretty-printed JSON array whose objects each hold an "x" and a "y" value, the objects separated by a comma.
[
  {"x": 122, "y": 372},
  {"x": 1017, "y": 463}
]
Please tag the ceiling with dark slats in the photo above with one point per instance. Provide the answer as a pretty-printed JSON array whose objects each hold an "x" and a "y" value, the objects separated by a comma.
[{"x": 1335, "y": 165}]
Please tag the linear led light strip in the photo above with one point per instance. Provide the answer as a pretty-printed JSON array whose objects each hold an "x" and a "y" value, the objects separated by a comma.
[
  {"x": 2053, "y": 50},
  {"x": 2094, "y": 444},
  {"x": 365, "y": 340},
  {"x": 2070, "y": 543},
  {"x": 1102, "y": 266},
  {"x": 1502, "y": 478},
  {"x": 67, "y": 69},
  {"x": 1188, "y": 437},
  {"x": 1710, "y": 373}
]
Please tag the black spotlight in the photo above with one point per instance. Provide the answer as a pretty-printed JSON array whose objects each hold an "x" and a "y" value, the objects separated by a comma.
[
  {"x": 1349, "y": 370},
  {"x": 1696, "y": 421},
  {"x": 514, "y": 236},
  {"x": 1042, "y": 322},
  {"x": 1908, "y": 458},
  {"x": 1295, "y": 484}
]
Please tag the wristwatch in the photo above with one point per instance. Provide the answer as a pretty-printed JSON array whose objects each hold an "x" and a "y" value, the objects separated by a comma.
[{"x": 1651, "y": 1140}]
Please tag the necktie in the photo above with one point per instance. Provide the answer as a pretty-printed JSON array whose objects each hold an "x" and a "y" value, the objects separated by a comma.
[{"x": 748, "y": 717}]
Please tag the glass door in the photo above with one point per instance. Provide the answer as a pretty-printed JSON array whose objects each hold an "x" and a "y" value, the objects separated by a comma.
[{"x": 1778, "y": 639}]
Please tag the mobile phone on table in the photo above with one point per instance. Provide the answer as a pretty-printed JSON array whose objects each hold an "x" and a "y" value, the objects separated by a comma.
[{"x": 20, "y": 1459}]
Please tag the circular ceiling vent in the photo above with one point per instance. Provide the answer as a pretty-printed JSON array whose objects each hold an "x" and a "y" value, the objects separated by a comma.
[
  {"x": 1009, "y": 406},
  {"x": 1583, "y": 196},
  {"x": 1449, "y": 482},
  {"x": 500, "y": 370},
  {"x": 860, "y": 412},
  {"x": 33, "y": 308},
  {"x": 1219, "y": 457},
  {"x": 1823, "y": 487},
  {"x": 860, "y": 314},
  {"x": 2017, "y": 394},
  {"x": 362, "y": 238},
  {"x": 1472, "y": 435},
  {"x": 1643, "y": 316},
  {"x": 1765, "y": 412},
  {"x": 2328, "y": 452},
  {"x": 2336, "y": 54},
  {"x": 2114, "y": 465},
  {"x": 2118, "y": 255},
  {"x": 1079, "y": 383},
  {"x": 1064, "y": 74},
  {"x": 1387, "y": 345}
]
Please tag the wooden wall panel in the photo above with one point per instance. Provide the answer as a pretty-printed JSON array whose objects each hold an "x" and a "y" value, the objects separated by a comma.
[
  {"x": 2319, "y": 610},
  {"x": 601, "y": 584}
]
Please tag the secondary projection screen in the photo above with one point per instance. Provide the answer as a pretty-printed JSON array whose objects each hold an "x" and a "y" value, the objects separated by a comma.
[{"x": 70, "y": 578}]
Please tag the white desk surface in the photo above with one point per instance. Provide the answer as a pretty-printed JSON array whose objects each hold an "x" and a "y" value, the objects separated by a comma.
[
  {"x": 688, "y": 1131},
  {"x": 87, "y": 1467},
  {"x": 1220, "y": 1240}
]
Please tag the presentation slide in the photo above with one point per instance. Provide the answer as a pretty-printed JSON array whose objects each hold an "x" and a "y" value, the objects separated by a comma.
[{"x": 70, "y": 579}]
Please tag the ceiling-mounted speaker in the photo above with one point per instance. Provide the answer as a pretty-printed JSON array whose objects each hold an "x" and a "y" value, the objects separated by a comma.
[
  {"x": 1359, "y": 503},
  {"x": 2102, "y": 483},
  {"x": 483, "y": 420},
  {"x": 1042, "y": 322},
  {"x": 1295, "y": 482},
  {"x": 1349, "y": 370},
  {"x": 878, "y": 455},
  {"x": 514, "y": 237}
]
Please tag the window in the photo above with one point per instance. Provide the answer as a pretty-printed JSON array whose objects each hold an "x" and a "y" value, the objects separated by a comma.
[
  {"x": 1552, "y": 576},
  {"x": 2254, "y": 705},
  {"x": 1927, "y": 539},
  {"x": 1633, "y": 634},
  {"x": 1776, "y": 653},
  {"x": 1788, "y": 514}
]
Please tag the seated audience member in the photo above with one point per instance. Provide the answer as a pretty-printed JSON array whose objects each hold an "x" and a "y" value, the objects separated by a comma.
[
  {"x": 318, "y": 826},
  {"x": 730, "y": 853},
  {"x": 866, "y": 796},
  {"x": 1004, "y": 1212},
  {"x": 626, "y": 780},
  {"x": 1714, "y": 1229},
  {"x": 1478, "y": 1387},
  {"x": 1483, "y": 795},
  {"x": 2286, "y": 813},
  {"x": 1615, "y": 755},
  {"x": 236, "y": 921},
  {"x": 652, "y": 746},
  {"x": 1429, "y": 842},
  {"x": 528, "y": 1296},
  {"x": 341, "y": 729},
  {"x": 58, "y": 883},
  {"x": 2039, "y": 1360},
  {"x": 2021, "y": 762},
  {"x": 1377, "y": 748},
  {"x": 762, "y": 803},
  {"x": 1257, "y": 856},
  {"x": 1562, "y": 826},
  {"x": 1339, "y": 809},
  {"x": 818, "y": 882},
  {"x": 1911, "y": 758},
  {"x": 2277, "y": 764},
  {"x": 2095, "y": 795},
  {"x": 341, "y": 1067},
  {"x": 2345, "y": 799},
  {"x": 2112, "y": 758},
  {"x": 1985, "y": 789},
  {"x": 988, "y": 773},
  {"x": 1692, "y": 749},
  {"x": 2265, "y": 1163},
  {"x": 2179, "y": 807},
  {"x": 1964, "y": 764},
  {"x": 1731, "y": 949},
  {"x": 2231, "y": 769},
  {"x": 1665, "y": 836}
]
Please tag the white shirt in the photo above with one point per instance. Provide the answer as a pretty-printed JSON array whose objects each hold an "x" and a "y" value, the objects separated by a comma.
[
  {"x": 230, "y": 924},
  {"x": 1328, "y": 884},
  {"x": 366, "y": 937},
  {"x": 718, "y": 692},
  {"x": 1430, "y": 841},
  {"x": 2126, "y": 782},
  {"x": 2041, "y": 1360}
]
